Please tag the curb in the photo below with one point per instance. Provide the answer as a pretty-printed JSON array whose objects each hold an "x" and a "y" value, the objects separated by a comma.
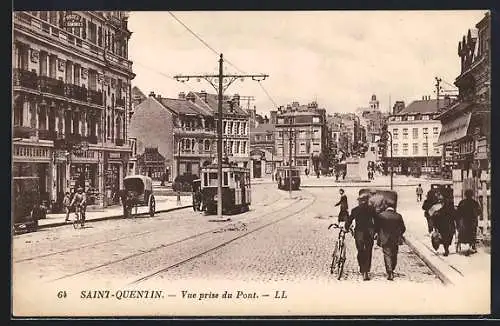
[
  {"x": 104, "y": 218},
  {"x": 358, "y": 185},
  {"x": 443, "y": 270}
]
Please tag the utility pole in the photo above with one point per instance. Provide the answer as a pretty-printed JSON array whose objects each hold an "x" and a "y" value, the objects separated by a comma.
[
  {"x": 221, "y": 83},
  {"x": 438, "y": 90}
]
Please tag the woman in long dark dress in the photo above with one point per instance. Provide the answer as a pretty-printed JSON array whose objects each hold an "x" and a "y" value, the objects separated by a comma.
[
  {"x": 443, "y": 221},
  {"x": 428, "y": 202},
  {"x": 467, "y": 214}
]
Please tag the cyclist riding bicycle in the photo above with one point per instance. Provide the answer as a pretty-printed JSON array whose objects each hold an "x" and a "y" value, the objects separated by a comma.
[{"x": 80, "y": 202}]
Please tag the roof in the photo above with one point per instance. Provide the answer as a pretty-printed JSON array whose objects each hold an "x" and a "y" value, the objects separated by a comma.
[
  {"x": 181, "y": 106},
  {"x": 422, "y": 106},
  {"x": 151, "y": 154},
  {"x": 137, "y": 92},
  {"x": 213, "y": 104},
  {"x": 263, "y": 127}
]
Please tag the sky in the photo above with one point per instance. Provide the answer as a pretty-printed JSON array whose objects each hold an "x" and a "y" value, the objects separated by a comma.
[{"x": 337, "y": 58}]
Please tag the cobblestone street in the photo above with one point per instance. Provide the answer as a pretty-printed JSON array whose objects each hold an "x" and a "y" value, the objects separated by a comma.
[{"x": 280, "y": 239}]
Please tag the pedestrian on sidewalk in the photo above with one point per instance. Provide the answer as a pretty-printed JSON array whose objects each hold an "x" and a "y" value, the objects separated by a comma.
[
  {"x": 390, "y": 227},
  {"x": 364, "y": 232},
  {"x": 307, "y": 172},
  {"x": 467, "y": 215},
  {"x": 344, "y": 208},
  {"x": 67, "y": 205},
  {"x": 420, "y": 192},
  {"x": 344, "y": 173},
  {"x": 443, "y": 220}
]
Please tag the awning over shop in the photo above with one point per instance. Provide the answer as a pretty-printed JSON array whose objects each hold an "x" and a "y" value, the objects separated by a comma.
[{"x": 454, "y": 129}]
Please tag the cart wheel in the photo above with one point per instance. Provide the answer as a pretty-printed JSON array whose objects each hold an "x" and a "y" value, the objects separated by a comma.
[{"x": 152, "y": 206}]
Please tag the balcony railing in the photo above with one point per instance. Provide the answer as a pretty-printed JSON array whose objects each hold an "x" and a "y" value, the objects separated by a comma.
[
  {"x": 120, "y": 102},
  {"x": 119, "y": 142},
  {"x": 194, "y": 131},
  {"x": 25, "y": 78},
  {"x": 95, "y": 97},
  {"x": 23, "y": 132},
  {"x": 76, "y": 92},
  {"x": 51, "y": 85}
]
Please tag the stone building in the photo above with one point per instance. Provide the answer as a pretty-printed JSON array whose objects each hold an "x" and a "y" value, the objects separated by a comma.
[
  {"x": 415, "y": 135},
  {"x": 466, "y": 123},
  {"x": 71, "y": 100},
  {"x": 262, "y": 150}
]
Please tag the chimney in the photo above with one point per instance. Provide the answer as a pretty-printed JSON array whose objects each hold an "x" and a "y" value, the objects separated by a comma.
[
  {"x": 236, "y": 99},
  {"x": 203, "y": 95},
  {"x": 182, "y": 96},
  {"x": 152, "y": 94},
  {"x": 190, "y": 97}
]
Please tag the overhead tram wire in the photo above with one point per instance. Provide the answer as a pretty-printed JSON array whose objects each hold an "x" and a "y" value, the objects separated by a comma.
[{"x": 217, "y": 53}]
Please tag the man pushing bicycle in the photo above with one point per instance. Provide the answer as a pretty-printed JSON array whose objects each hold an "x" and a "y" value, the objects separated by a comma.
[{"x": 80, "y": 202}]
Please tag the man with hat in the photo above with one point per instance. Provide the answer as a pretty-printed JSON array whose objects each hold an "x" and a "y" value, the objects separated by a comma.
[
  {"x": 365, "y": 217},
  {"x": 390, "y": 229}
]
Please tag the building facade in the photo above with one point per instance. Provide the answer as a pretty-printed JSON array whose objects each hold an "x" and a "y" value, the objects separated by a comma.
[
  {"x": 262, "y": 150},
  {"x": 305, "y": 128},
  {"x": 235, "y": 126},
  {"x": 71, "y": 101},
  {"x": 466, "y": 123},
  {"x": 415, "y": 134},
  {"x": 181, "y": 130}
]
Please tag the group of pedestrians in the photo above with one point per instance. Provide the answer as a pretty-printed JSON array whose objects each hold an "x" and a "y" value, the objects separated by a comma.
[
  {"x": 444, "y": 221},
  {"x": 381, "y": 223}
]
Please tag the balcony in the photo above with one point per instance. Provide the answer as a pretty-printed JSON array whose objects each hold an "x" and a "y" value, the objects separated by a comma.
[
  {"x": 94, "y": 97},
  {"x": 25, "y": 78},
  {"x": 23, "y": 132},
  {"x": 51, "y": 85},
  {"x": 120, "y": 102},
  {"x": 75, "y": 92},
  {"x": 47, "y": 134},
  {"x": 119, "y": 142}
]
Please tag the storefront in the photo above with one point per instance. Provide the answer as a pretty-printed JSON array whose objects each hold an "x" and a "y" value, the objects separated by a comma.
[{"x": 114, "y": 172}]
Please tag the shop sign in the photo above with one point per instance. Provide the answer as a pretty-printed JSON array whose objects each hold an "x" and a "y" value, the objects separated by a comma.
[
  {"x": 72, "y": 20},
  {"x": 115, "y": 156}
]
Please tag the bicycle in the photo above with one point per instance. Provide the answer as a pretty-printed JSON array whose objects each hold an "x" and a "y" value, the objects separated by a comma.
[
  {"x": 339, "y": 251},
  {"x": 79, "y": 218}
]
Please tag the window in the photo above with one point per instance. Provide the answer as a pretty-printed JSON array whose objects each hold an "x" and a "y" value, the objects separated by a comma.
[
  {"x": 425, "y": 148},
  {"x": 425, "y": 117},
  {"x": 280, "y": 150},
  {"x": 281, "y": 120},
  {"x": 76, "y": 74},
  {"x": 207, "y": 145},
  {"x": 395, "y": 148},
  {"x": 302, "y": 147},
  {"x": 22, "y": 56},
  {"x": 44, "y": 15},
  {"x": 405, "y": 133},
  {"x": 224, "y": 128},
  {"x": 43, "y": 63},
  {"x": 237, "y": 128},
  {"x": 405, "y": 149},
  {"x": 398, "y": 118},
  {"x": 52, "y": 66},
  {"x": 315, "y": 119},
  {"x": 411, "y": 118},
  {"x": 92, "y": 79},
  {"x": 257, "y": 137},
  {"x": 53, "y": 17},
  {"x": 437, "y": 149},
  {"x": 99, "y": 36},
  {"x": 244, "y": 147},
  {"x": 435, "y": 131},
  {"x": 280, "y": 134},
  {"x": 415, "y": 133},
  {"x": 302, "y": 134},
  {"x": 415, "y": 149},
  {"x": 425, "y": 131},
  {"x": 244, "y": 128},
  {"x": 395, "y": 133},
  {"x": 93, "y": 33},
  {"x": 226, "y": 180},
  {"x": 316, "y": 133},
  {"x": 237, "y": 148}
]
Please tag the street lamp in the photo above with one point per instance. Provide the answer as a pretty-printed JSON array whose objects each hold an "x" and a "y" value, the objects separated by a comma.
[{"x": 384, "y": 134}]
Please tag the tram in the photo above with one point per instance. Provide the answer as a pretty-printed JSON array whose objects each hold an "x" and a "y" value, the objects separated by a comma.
[
  {"x": 236, "y": 189},
  {"x": 283, "y": 177}
]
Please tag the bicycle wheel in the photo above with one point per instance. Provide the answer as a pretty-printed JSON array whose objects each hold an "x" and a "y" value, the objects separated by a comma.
[
  {"x": 341, "y": 262},
  {"x": 335, "y": 257}
]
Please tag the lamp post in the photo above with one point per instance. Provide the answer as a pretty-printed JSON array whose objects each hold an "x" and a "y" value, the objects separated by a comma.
[{"x": 384, "y": 134}]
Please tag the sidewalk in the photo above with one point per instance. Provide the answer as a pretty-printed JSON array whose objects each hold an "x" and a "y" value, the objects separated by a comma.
[
  {"x": 163, "y": 204},
  {"x": 457, "y": 268}
]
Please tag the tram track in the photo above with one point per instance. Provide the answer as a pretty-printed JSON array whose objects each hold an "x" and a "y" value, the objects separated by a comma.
[
  {"x": 223, "y": 244},
  {"x": 268, "y": 202},
  {"x": 183, "y": 240}
]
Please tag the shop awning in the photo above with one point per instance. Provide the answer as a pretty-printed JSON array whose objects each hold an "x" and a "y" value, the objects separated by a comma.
[{"x": 455, "y": 129}]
